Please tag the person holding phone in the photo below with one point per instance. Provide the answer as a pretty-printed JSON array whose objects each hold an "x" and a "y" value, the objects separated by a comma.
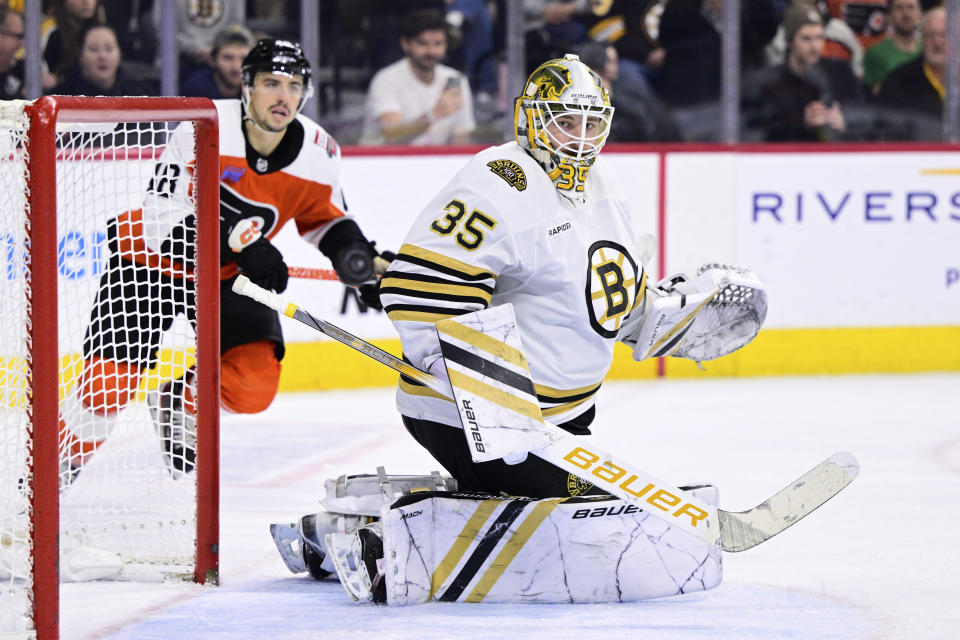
[
  {"x": 806, "y": 98},
  {"x": 417, "y": 100}
]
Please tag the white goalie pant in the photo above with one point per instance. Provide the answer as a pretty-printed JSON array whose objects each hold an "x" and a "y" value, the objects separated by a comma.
[{"x": 455, "y": 548}]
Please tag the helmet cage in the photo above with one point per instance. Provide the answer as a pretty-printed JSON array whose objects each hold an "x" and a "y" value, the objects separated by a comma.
[{"x": 573, "y": 131}]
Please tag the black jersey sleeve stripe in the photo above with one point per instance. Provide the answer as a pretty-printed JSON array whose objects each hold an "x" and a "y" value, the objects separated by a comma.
[
  {"x": 434, "y": 266},
  {"x": 422, "y": 277},
  {"x": 435, "y": 295},
  {"x": 447, "y": 311}
]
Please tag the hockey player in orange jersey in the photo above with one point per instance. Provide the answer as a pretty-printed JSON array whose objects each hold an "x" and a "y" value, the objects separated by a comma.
[{"x": 276, "y": 165}]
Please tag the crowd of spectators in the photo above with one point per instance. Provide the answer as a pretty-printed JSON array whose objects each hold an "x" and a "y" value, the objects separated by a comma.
[{"x": 434, "y": 71}]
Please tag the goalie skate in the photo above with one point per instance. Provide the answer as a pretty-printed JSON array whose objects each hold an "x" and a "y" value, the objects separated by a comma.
[
  {"x": 287, "y": 539},
  {"x": 358, "y": 558},
  {"x": 302, "y": 547},
  {"x": 176, "y": 425},
  {"x": 350, "y": 503}
]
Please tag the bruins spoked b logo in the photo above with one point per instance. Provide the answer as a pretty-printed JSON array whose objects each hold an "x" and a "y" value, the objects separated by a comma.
[{"x": 613, "y": 283}]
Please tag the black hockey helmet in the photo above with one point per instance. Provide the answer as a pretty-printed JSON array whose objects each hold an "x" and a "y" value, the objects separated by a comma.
[{"x": 278, "y": 56}]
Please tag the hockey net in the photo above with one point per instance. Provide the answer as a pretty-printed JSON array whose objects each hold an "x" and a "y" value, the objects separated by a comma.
[{"x": 93, "y": 473}]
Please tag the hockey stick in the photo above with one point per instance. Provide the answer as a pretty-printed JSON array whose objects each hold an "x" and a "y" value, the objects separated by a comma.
[
  {"x": 735, "y": 531},
  {"x": 312, "y": 273},
  {"x": 275, "y": 301}
]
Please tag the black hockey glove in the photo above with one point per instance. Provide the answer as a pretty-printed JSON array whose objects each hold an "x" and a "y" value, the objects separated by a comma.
[
  {"x": 370, "y": 290},
  {"x": 350, "y": 252},
  {"x": 242, "y": 242},
  {"x": 354, "y": 263},
  {"x": 263, "y": 264}
]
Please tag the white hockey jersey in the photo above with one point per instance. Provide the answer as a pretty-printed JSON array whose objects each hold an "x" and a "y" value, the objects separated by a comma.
[{"x": 501, "y": 232}]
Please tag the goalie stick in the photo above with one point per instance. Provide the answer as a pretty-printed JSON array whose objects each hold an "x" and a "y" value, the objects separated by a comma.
[{"x": 735, "y": 531}]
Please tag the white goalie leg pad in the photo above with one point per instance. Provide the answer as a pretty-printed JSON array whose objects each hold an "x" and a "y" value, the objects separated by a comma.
[
  {"x": 709, "y": 316},
  {"x": 462, "y": 548},
  {"x": 364, "y": 494}
]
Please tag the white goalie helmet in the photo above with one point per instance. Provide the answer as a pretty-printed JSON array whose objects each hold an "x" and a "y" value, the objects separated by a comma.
[{"x": 563, "y": 119}]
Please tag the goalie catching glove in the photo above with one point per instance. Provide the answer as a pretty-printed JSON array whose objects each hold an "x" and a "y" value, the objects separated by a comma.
[{"x": 703, "y": 318}]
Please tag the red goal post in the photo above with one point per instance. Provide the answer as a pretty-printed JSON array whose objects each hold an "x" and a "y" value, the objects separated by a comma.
[{"x": 66, "y": 141}]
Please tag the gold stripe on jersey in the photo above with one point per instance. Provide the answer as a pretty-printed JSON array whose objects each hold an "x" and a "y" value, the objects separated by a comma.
[
  {"x": 493, "y": 394},
  {"x": 482, "y": 341},
  {"x": 412, "y": 313},
  {"x": 562, "y": 408},
  {"x": 510, "y": 550},
  {"x": 451, "y": 266},
  {"x": 427, "y": 287},
  {"x": 641, "y": 291},
  {"x": 417, "y": 389},
  {"x": 466, "y": 537},
  {"x": 549, "y": 394}
]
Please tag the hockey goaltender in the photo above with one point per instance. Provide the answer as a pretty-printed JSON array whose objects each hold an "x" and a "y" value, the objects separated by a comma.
[{"x": 534, "y": 238}]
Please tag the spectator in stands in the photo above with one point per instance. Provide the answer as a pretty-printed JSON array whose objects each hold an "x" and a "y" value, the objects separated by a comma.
[
  {"x": 840, "y": 42},
  {"x": 131, "y": 20},
  {"x": 97, "y": 72},
  {"x": 690, "y": 35},
  {"x": 62, "y": 32},
  {"x": 901, "y": 45},
  {"x": 632, "y": 27},
  {"x": 866, "y": 18},
  {"x": 640, "y": 116},
  {"x": 198, "y": 24},
  {"x": 473, "y": 20},
  {"x": 917, "y": 87},
  {"x": 417, "y": 100},
  {"x": 11, "y": 39},
  {"x": 223, "y": 76},
  {"x": 802, "y": 99},
  {"x": 554, "y": 27}
]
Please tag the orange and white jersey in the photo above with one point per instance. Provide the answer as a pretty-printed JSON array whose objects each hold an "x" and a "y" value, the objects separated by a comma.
[
  {"x": 299, "y": 181},
  {"x": 501, "y": 232}
]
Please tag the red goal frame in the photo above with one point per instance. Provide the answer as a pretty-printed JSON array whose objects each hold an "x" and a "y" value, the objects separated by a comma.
[{"x": 44, "y": 115}]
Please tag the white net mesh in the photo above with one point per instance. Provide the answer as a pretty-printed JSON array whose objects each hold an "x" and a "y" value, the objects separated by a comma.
[
  {"x": 15, "y": 430},
  {"x": 126, "y": 345}
]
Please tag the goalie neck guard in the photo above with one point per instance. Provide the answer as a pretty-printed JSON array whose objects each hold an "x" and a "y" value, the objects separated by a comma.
[{"x": 562, "y": 120}]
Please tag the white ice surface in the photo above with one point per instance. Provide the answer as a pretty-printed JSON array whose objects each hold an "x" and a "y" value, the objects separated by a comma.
[{"x": 878, "y": 561}]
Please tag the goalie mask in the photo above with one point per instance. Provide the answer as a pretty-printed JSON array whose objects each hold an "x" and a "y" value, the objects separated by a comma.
[
  {"x": 282, "y": 57},
  {"x": 562, "y": 120}
]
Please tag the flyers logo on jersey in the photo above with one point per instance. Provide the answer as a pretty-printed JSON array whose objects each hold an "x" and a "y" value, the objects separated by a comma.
[
  {"x": 613, "y": 283},
  {"x": 511, "y": 173}
]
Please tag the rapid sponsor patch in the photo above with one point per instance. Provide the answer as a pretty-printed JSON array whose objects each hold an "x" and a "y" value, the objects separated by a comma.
[{"x": 511, "y": 172}]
